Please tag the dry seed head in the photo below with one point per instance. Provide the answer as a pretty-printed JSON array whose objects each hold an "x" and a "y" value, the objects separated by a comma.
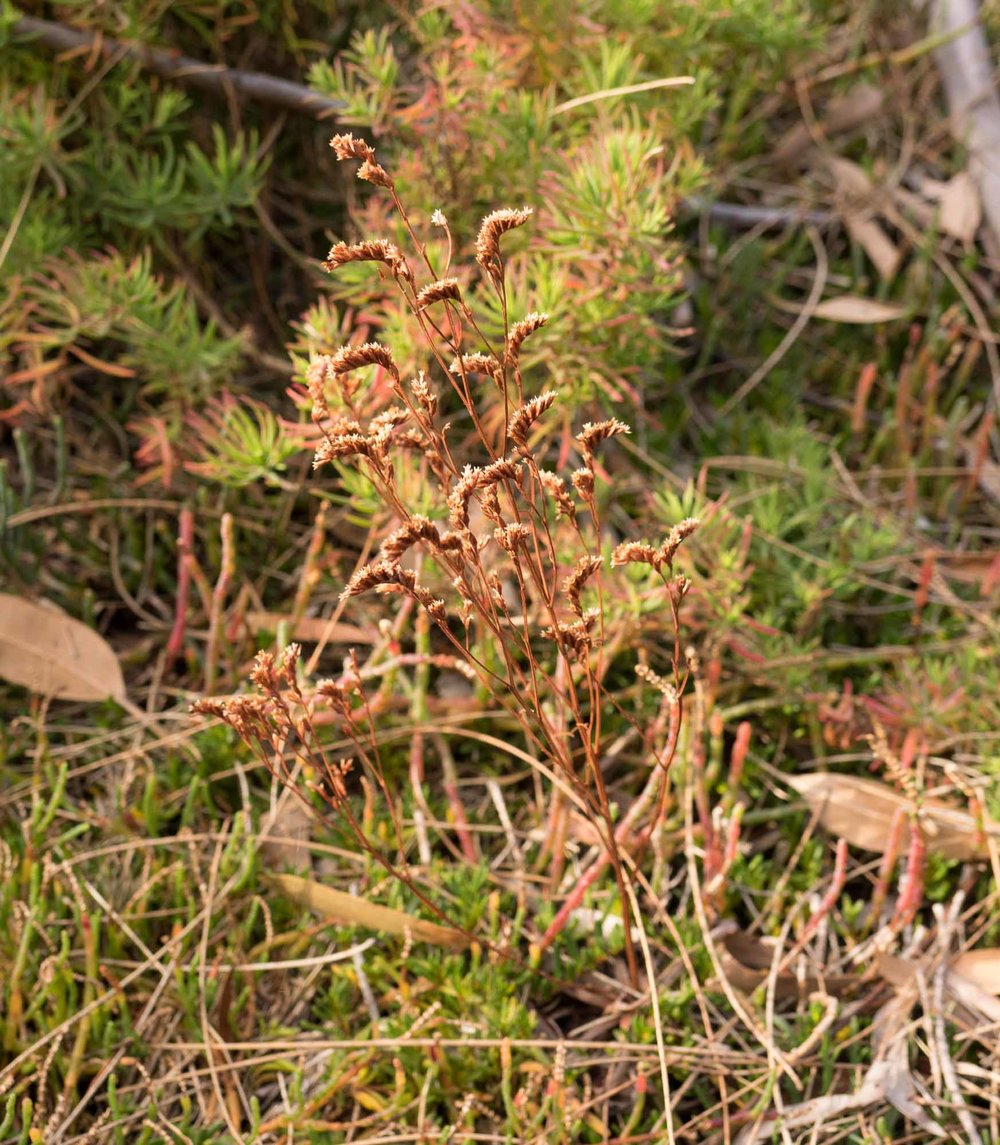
[
  {"x": 316, "y": 376},
  {"x": 467, "y": 608},
  {"x": 248, "y": 716},
  {"x": 472, "y": 479},
  {"x": 495, "y": 585},
  {"x": 572, "y": 586},
  {"x": 415, "y": 529},
  {"x": 342, "y": 445},
  {"x": 388, "y": 420},
  {"x": 452, "y": 542},
  {"x": 512, "y": 537},
  {"x": 678, "y": 534},
  {"x": 287, "y": 663},
  {"x": 426, "y": 398},
  {"x": 349, "y": 358},
  {"x": 574, "y": 639},
  {"x": 379, "y": 572},
  {"x": 438, "y": 218},
  {"x": 525, "y": 416},
  {"x": 444, "y": 288},
  {"x": 635, "y": 552},
  {"x": 337, "y": 692},
  {"x": 347, "y": 147},
  {"x": 458, "y": 499},
  {"x": 678, "y": 588},
  {"x": 489, "y": 503},
  {"x": 593, "y": 433},
  {"x": 370, "y": 172},
  {"x": 434, "y": 605},
  {"x": 411, "y": 439},
  {"x": 371, "y": 250},
  {"x": 583, "y": 483},
  {"x": 477, "y": 363},
  {"x": 521, "y": 330},
  {"x": 263, "y": 673},
  {"x": 488, "y": 241},
  {"x": 554, "y": 485},
  {"x": 503, "y": 469}
]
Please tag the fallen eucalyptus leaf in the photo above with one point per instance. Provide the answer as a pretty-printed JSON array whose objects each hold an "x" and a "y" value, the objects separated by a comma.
[
  {"x": 355, "y": 911},
  {"x": 46, "y": 650},
  {"x": 862, "y": 811}
]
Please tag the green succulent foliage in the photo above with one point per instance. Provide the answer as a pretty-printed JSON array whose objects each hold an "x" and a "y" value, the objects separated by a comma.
[
  {"x": 120, "y": 308},
  {"x": 241, "y": 442},
  {"x": 363, "y": 77},
  {"x": 119, "y": 164}
]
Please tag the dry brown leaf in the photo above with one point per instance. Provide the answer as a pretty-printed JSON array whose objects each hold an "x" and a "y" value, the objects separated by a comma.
[
  {"x": 354, "y": 911},
  {"x": 289, "y": 829},
  {"x": 965, "y": 63},
  {"x": 313, "y": 629},
  {"x": 873, "y": 240},
  {"x": 746, "y": 961},
  {"x": 854, "y": 189},
  {"x": 961, "y": 208},
  {"x": 857, "y": 202},
  {"x": 981, "y": 967},
  {"x": 46, "y": 650},
  {"x": 852, "y": 309},
  {"x": 862, "y": 810},
  {"x": 974, "y": 1004}
]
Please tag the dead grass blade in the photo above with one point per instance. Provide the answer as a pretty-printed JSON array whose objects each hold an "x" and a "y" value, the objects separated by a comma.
[
  {"x": 887, "y": 1081},
  {"x": 313, "y": 629},
  {"x": 46, "y": 650},
  {"x": 860, "y": 105},
  {"x": 862, "y": 811},
  {"x": 351, "y": 910},
  {"x": 853, "y": 310}
]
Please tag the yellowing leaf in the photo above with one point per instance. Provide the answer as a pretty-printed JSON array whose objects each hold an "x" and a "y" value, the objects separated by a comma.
[
  {"x": 354, "y": 911},
  {"x": 862, "y": 811},
  {"x": 46, "y": 650},
  {"x": 852, "y": 309}
]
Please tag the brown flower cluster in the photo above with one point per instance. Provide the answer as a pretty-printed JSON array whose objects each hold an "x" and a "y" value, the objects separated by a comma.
[
  {"x": 493, "y": 226},
  {"x": 641, "y": 552},
  {"x": 347, "y": 147},
  {"x": 371, "y": 250}
]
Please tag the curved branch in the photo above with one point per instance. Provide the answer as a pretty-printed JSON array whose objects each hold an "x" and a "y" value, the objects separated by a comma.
[
  {"x": 183, "y": 69},
  {"x": 963, "y": 60},
  {"x": 299, "y": 98}
]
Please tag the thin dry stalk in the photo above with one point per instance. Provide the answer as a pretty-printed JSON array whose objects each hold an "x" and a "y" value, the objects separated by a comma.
[{"x": 498, "y": 558}]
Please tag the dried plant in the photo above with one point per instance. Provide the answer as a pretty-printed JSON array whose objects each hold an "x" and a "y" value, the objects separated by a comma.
[{"x": 495, "y": 557}]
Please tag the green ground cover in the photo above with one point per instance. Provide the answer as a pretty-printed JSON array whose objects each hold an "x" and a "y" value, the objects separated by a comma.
[{"x": 635, "y": 783}]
